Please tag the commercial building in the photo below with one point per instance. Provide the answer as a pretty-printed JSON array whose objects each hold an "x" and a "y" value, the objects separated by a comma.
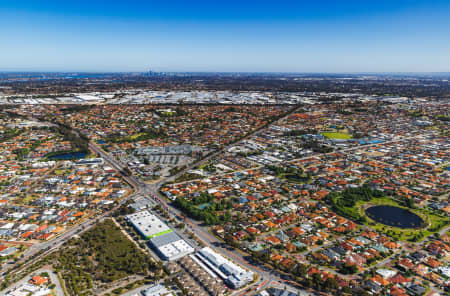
[
  {"x": 90, "y": 161},
  {"x": 167, "y": 150},
  {"x": 170, "y": 246},
  {"x": 232, "y": 274},
  {"x": 148, "y": 225},
  {"x": 158, "y": 290}
]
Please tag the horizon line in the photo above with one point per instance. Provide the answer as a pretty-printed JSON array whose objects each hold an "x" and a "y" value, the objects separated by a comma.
[{"x": 224, "y": 72}]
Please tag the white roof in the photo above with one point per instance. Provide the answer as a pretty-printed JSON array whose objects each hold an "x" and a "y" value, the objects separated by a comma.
[
  {"x": 386, "y": 273},
  {"x": 29, "y": 287},
  {"x": 8, "y": 225},
  {"x": 18, "y": 293},
  {"x": 148, "y": 224},
  {"x": 175, "y": 249}
]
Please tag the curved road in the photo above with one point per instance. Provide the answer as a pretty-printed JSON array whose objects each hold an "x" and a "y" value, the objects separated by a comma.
[{"x": 266, "y": 277}]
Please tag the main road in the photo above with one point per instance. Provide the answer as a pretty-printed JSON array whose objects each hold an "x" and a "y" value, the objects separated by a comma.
[
  {"x": 265, "y": 275},
  {"x": 151, "y": 191}
]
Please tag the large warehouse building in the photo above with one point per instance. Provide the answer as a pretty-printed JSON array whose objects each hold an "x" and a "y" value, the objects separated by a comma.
[
  {"x": 148, "y": 225},
  {"x": 169, "y": 245}
]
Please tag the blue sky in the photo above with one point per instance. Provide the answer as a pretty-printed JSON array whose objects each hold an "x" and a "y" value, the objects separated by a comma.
[{"x": 245, "y": 35}]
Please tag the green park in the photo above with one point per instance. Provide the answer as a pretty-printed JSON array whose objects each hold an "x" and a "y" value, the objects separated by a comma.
[
  {"x": 337, "y": 135},
  {"x": 354, "y": 203}
]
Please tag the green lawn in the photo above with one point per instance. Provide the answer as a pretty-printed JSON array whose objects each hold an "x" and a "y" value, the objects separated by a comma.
[
  {"x": 28, "y": 199},
  {"x": 132, "y": 138},
  {"x": 352, "y": 202},
  {"x": 60, "y": 172},
  {"x": 335, "y": 135}
]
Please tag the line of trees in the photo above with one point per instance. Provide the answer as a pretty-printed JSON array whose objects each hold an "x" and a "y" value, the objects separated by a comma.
[
  {"x": 208, "y": 213},
  {"x": 144, "y": 134},
  {"x": 344, "y": 202},
  {"x": 79, "y": 142}
]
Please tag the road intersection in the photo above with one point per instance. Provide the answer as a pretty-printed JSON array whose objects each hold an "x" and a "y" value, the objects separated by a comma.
[{"x": 265, "y": 276}]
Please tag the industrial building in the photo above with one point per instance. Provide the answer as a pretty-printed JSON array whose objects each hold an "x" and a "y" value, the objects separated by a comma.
[
  {"x": 168, "y": 150},
  {"x": 170, "y": 246},
  {"x": 231, "y": 273},
  {"x": 167, "y": 244},
  {"x": 90, "y": 161},
  {"x": 148, "y": 225}
]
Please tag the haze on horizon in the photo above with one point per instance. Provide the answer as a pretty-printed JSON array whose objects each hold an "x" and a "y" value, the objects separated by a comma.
[{"x": 228, "y": 36}]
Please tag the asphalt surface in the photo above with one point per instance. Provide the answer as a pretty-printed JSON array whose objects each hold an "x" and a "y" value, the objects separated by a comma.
[
  {"x": 266, "y": 276},
  {"x": 58, "y": 291},
  {"x": 151, "y": 192}
]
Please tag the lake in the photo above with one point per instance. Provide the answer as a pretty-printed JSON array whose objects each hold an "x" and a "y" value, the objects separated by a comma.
[{"x": 394, "y": 216}]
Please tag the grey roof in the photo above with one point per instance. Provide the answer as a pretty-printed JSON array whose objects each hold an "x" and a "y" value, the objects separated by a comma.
[
  {"x": 164, "y": 239},
  {"x": 416, "y": 289}
]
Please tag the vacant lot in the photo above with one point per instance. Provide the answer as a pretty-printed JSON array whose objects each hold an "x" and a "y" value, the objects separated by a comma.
[{"x": 100, "y": 256}]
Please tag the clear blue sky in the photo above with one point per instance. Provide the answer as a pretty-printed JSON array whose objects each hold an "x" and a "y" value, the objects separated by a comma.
[{"x": 225, "y": 35}]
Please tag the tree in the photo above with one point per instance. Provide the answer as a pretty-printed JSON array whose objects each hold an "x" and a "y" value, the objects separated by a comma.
[
  {"x": 348, "y": 269},
  {"x": 331, "y": 284}
]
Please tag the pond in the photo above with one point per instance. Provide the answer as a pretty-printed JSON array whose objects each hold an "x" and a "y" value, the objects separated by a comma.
[
  {"x": 394, "y": 216},
  {"x": 295, "y": 177},
  {"x": 292, "y": 177},
  {"x": 204, "y": 206},
  {"x": 68, "y": 156}
]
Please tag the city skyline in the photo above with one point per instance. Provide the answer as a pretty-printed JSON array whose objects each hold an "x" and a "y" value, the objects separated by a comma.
[{"x": 263, "y": 36}]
